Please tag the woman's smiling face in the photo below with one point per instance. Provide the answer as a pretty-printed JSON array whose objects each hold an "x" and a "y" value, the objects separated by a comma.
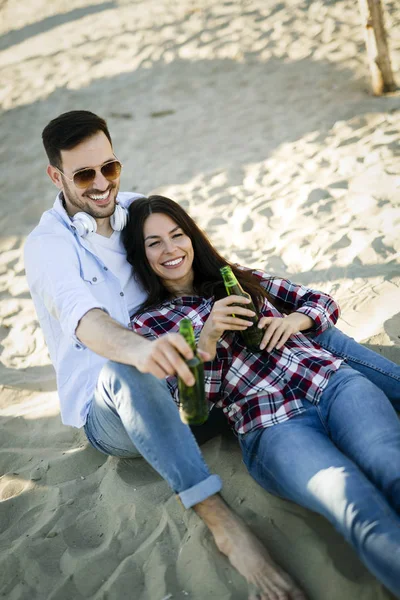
[{"x": 169, "y": 252}]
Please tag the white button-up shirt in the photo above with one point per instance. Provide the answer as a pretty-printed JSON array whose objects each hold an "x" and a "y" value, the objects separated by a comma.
[{"x": 67, "y": 280}]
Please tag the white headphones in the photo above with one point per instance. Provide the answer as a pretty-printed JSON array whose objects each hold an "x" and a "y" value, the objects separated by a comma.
[{"x": 85, "y": 224}]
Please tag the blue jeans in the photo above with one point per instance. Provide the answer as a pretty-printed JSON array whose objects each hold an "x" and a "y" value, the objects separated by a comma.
[
  {"x": 378, "y": 369},
  {"x": 341, "y": 459},
  {"x": 133, "y": 414}
]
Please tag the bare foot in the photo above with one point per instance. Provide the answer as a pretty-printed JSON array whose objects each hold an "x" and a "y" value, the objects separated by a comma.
[{"x": 246, "y": 554}]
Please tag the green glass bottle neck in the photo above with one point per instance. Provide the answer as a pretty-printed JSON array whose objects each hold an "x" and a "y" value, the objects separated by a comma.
[
  {"x": 228, "y": 276},
  {"x": 231, "y": 283},
  {"x": 186, "y": 330}
]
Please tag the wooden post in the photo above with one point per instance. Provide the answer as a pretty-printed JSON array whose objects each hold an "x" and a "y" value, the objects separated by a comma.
[{"x": 377, "y": 47}]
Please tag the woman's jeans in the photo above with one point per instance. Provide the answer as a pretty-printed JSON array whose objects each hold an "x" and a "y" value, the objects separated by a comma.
[
  {"x": 133, "y": 414},
  {"x": 341, "y": 459},
  {"x": 378, "y": 369}
]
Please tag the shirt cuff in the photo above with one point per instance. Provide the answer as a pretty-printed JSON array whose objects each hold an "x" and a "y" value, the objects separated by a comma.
[
  {"x": 76, "y": 317},
  {"x": 318, "y": 315}
]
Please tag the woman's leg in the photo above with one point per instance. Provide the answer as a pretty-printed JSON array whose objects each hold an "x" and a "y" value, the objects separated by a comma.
[
  {"x": 378, "y": 369},
  {"x": 133, "y": 414},
  {"x": 363, "y": 424},
  {"x": 297, "y": 461}
]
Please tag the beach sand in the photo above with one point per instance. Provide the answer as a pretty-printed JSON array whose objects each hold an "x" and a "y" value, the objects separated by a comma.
[{"x": 258, "y": 118}]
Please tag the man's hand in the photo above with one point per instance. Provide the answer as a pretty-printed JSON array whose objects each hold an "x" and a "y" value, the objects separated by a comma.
[
  {"x": 279, "y": 329},
  {"x": 165, "y": 356}
]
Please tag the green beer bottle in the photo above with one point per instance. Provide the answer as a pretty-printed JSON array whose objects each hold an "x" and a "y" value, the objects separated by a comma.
[
  {"x": 193, "y": 403},
  {"x": 251, "y": 336}
]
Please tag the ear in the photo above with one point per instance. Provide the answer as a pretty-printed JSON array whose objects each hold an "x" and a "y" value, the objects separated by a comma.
[{"x": 55, "y": 176}]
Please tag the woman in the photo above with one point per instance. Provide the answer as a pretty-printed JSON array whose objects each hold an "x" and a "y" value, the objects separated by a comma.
[{"x": 311, "y": 429}]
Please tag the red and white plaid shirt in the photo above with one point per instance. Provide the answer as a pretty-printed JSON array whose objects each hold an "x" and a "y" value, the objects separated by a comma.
[{"x": 256, "y": 389}]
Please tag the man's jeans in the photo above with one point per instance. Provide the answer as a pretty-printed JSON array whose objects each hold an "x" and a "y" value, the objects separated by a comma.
[
  {"x": 133, "y": 414},
  {"x": 341, "y": 459}
]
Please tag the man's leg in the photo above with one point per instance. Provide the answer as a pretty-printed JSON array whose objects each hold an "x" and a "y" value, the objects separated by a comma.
[
  {"x": 298, "y": 461},
  {"x": 246, "y": 553},
  {"x": 133, "y": 414},
  {"x": 380, "y": 370}
]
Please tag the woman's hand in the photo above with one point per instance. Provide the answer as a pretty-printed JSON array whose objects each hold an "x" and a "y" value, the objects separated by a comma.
[
  {"x": 279, "y": 329},
  {"x": 221, "y": 320}
]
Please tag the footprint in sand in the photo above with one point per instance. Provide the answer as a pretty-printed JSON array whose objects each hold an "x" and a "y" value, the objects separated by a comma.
[{"x": 87, "y": 531}]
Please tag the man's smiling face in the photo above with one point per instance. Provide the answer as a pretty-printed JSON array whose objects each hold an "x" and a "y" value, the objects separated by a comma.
[{"x": 98, "y": 199}]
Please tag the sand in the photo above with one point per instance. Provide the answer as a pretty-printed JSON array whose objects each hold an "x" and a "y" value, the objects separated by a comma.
[{"x": 257, "y": 117}]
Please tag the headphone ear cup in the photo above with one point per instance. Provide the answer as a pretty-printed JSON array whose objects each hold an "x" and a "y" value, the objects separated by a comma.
[
  {"x": 119, "y": 218},
  {"x": 84, "y": 224}
]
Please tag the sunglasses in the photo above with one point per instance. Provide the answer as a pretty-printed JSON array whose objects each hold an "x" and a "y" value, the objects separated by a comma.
[{"x": 82, "y": 179}]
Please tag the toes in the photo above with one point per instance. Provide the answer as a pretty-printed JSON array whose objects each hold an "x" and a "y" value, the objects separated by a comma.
[
  {"x": 286, "y": 583},
  {"x": 267, "y": 592},
  {"x": 264, "y": 594},
  {"x": 273, "y": 590},
  {"x": 262, "y": 597},
  {"x": 277, "y": 588},
  {"x": 292, "y": 589}
]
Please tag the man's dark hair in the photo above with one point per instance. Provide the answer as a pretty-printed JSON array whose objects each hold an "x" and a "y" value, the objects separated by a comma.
[{"x": 68, "y": 130}]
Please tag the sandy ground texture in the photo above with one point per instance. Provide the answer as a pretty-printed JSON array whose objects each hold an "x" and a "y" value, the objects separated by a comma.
[{"x": 255, "y": 115}]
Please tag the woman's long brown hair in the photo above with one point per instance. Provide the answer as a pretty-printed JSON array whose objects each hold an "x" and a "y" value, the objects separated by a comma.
[{"x": 207, "y": 261}]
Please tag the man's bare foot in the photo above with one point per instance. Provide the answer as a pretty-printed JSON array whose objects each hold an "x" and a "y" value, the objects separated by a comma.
[{"x": 246, "y": 554}]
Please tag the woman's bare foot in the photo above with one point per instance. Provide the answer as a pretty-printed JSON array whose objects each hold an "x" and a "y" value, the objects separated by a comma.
[{"x": 246, "y": 554}]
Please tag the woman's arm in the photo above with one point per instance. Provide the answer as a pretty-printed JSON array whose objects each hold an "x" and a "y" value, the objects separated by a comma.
[
  {"x": 279, "y": 329},
  {"x": 321, "y": 308},
  {"x": 307, "y": 310}
]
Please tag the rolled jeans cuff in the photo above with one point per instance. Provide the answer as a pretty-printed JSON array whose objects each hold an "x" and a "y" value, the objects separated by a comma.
[{"x": 199, "y": 492}]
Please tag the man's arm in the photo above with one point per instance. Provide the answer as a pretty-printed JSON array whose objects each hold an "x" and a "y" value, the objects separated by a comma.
[
  {"x": 161, "y": 357},
  {"x": 54, "y": 275}
]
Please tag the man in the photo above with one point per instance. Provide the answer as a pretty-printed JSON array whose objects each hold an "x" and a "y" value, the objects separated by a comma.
[{"x": 110, "y": 380}]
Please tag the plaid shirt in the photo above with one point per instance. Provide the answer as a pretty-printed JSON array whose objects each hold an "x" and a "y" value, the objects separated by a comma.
[{"x": 263, "y": 388}]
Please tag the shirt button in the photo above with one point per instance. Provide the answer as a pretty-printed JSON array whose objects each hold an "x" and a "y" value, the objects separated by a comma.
[
  {"x": 94, "y": 279},
  {"x": 121, "y": 293},
  {"x": 105, "y": 268}
]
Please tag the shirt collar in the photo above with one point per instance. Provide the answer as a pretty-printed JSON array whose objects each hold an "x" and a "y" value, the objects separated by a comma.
[{"x": 58, "y": 207}]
